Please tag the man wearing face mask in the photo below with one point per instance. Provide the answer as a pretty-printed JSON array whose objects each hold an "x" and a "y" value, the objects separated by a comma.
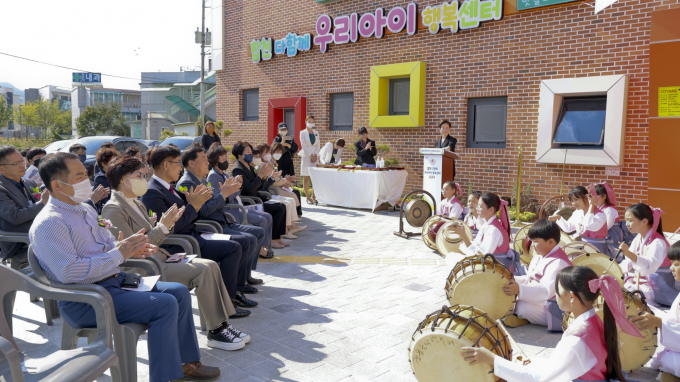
[
  {"x": 80, "y": 151},
  {"x": 19, "y": 203},
  {"x": 289, "y": 149},
  {"x": 251, "y": 238},
  {"x": 73, "y": 248}
]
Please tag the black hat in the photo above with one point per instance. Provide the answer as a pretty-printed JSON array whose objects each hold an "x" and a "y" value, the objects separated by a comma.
[{"x": 282, "y": 126}]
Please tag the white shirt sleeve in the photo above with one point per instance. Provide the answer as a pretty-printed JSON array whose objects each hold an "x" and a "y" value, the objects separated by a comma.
[
  {"x": 545, "y": 289},
  {"x": 570, "y": 360},
  {"x": 492, "y": 238},
  {"x": 455, "y": 212},
  {"x": 650, "y": 261},
  {"x": 669, "y": 335},
  {"x": 571, "y": 224},
  {"x": 611, "y": 214},
  {"x": 594, "y": 222}
]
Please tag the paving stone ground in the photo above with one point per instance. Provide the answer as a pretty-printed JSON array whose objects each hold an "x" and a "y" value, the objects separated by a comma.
[{"x": 319, "y": 322}]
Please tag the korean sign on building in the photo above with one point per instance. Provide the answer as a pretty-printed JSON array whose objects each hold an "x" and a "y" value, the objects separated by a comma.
[
  {"x": 350, "y": 28},
  {"x": 86, "y": 79}
]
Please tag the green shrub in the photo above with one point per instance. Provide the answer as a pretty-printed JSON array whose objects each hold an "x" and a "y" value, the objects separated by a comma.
[{"x": 524, "y": 217}]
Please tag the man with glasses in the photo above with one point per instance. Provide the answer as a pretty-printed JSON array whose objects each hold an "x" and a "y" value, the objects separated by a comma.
[
  {"x": 229, "y": 254},
  {"x": 19, "y": 202}
]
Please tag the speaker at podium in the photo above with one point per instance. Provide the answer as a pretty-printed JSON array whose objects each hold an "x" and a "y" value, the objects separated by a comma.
[{"x": 437, "y": 169}]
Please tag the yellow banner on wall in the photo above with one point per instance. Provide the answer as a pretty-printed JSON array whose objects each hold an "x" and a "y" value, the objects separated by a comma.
[{"x": 669, "y": 101}]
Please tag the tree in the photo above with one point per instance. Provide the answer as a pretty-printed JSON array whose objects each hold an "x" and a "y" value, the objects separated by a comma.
[
  {"x": 43, "y": 114},
  {"x": 103, "y": 118},
  {"x": 166, "y": 134},
  {"x": 5, "y": 113}
]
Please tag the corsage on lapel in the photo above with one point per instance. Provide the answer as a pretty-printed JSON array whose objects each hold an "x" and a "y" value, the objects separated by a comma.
[{"x": 106, "y": 223}]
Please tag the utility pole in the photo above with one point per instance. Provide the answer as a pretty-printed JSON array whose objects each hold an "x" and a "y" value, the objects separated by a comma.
[{"x": 203, "y": 63}]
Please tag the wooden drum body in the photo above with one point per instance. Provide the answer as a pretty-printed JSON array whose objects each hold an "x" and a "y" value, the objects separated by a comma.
[
  {"x": 477, "y": 281},
  {"x": 449, "y": 241},
  {"x": 587, "y": 255},
  {"x": 633, "y": 351},
  {"x": 430, "y": 229},
  {"x": 434, "y": 351}
]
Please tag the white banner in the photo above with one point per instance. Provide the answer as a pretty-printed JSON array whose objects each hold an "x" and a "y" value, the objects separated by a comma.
[{"x": 432, "y": 175}]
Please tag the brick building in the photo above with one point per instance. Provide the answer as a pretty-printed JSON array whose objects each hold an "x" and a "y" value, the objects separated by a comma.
[{"x": 623, "y": 52}]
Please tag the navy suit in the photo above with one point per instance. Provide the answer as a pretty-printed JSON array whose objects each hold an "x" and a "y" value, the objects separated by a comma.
[
  {"x": 251, "y": 238},
  {"x": 100, "y": 179},
  {"x": 226, "y": 253}
]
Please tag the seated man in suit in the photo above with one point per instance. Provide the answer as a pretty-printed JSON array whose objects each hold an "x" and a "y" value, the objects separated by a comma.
[
  {"x": 234, "y": 266},
  {"x": 251, "y": 238},
  {"x": 19, "y": 203},
  {"x": 73, "y": 248}
]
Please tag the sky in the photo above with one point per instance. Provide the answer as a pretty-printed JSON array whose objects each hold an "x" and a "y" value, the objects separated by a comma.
[{"x": 116, "y": 37}]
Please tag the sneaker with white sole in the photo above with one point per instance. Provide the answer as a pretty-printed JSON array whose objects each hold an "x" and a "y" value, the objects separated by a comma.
[
  {"x": 237, "y": 333},
  {"x": 299, "y": 228},
  {"x": 289, "y": 236},
  {"x": 225, "y": 340}
]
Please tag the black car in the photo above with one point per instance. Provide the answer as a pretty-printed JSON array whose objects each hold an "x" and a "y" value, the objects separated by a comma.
[
  {"x": 181, "y": 141},
  {"x": 93, "y": 144}
]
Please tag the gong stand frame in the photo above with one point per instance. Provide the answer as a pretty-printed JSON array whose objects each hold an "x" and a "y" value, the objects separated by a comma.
[{"x": 402, "y": 233}]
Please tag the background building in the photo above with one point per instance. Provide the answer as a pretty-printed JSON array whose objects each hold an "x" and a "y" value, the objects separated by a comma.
[
  {"x": 171, "y": 101},
  {"x": 130, "y": 101},
  {"x": 502, "y": 83}
]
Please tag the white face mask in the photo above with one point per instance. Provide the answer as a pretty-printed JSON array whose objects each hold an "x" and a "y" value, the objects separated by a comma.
[
  {"x": 82, "y": 191},
  {"x": 283, "y": 132},
  {"x": 310, "y": 125},
  {"x": 138, "y": 186},
  {"x": 277, "y": 156},
  {"x": 267, "y": 157},
  {"x": 257, "y": 161}
]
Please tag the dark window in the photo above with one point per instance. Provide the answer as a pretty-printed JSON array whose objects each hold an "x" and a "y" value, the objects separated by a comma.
[
  {"x": 251, "y": 105},
  {"x": 581, "y": 122},
  {"x": 342, "y": 111},
  {"x": 400, "y": 89},
  {"x": 486, "y": 121}
]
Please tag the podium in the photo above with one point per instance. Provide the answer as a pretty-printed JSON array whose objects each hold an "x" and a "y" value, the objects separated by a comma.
[{"x": 437, "y": 169}]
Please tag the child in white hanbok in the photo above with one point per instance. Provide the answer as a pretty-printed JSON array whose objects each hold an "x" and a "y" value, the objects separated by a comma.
[
  {"x": 472, "y": 218},
  {"x": 587, "y": 222},
  {"x": 588, "y": 350},
  {"x": 646, "y": 266},
  {"x": 667, "y": 357},
  {"x": 536, "y": 291},
  {"x": 451, "y": 207}
]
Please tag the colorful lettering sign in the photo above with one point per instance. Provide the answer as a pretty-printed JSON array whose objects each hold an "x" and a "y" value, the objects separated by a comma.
[
  {"x": 261, "y": 49},
  {"x": 344, "y": 29},
  {"x": 293, "y": 43}
]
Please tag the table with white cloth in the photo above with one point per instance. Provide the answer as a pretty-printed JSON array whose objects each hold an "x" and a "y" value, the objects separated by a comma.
[{"x": 359, "y": 188}]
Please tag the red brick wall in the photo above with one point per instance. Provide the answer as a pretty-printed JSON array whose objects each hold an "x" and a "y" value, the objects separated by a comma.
[{"x": 507, "y": 57}]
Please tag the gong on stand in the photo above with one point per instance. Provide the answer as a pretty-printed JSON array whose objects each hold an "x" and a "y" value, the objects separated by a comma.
[{"x": 417, "y": 211}]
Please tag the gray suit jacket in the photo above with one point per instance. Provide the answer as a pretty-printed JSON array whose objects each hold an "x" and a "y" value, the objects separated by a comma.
[
  {"x": 16, "y": 213},
  {"x": 124, "y": 218}
]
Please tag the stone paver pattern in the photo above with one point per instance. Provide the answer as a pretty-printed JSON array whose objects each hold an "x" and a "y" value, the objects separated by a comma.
[{"x": 322, "y": 322}]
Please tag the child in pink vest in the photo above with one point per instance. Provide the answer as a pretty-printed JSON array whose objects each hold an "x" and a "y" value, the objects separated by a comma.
[
  {"x": 667, "y": 357},
  {"x": 451, "y": 207},
  {"x": 536, "y": 291},
  {"x": 587, "y": 221},
  {"x": 646, "y": 256},
  {"x": 588, "y": 350},
  {"x": 493, "y": 238},
  {"x": 472, "y": 219}
]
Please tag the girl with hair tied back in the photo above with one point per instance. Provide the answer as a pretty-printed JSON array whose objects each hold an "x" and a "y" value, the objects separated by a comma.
[{"x": 589, "y": 348}]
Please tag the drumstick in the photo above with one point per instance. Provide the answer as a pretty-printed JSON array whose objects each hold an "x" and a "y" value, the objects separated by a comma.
[
  {"x": 517, "y": 353},
  {"x": 637, "y": 280},
  {"x": 612, "y": 262}
]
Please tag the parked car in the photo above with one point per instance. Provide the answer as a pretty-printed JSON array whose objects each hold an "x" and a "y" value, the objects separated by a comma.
[
  {"x": 56, "y": 145},
  {"x": 181, "y": 141},
  {"x": 151, "y": 143},
  {"x": 92, "y": 144}
]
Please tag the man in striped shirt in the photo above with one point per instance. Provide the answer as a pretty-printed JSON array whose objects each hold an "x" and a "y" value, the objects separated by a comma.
[{"x": 72, "y": 247}]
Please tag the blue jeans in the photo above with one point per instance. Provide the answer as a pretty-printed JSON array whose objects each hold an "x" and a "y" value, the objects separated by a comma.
[{"x": 167, "y": 310}]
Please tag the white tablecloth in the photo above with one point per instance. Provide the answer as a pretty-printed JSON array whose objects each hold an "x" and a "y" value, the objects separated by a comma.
[{"x": 358, "y": 189}]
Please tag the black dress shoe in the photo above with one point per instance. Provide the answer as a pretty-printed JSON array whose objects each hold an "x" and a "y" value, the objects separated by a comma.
[
  {"x": 241, "y": 300},
  {"x": 249, "y": 289},
  {"x": 269, "y": 255},
  {"x": 240, "y": 313},
  {"x": 254, "y": 281}
]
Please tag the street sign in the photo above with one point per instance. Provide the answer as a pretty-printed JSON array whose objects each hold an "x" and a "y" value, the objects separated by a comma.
[
  {"x": 529, "y": 4},
  {"x": 87, "y": 79}
]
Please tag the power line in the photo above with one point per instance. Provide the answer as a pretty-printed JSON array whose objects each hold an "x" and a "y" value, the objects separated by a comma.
[{"x": 82, "y": 70}]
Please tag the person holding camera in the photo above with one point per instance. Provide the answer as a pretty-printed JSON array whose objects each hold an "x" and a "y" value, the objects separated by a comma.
[
  {"x": 289, "y": 149},
  {"x": 311, "y": 146}
]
